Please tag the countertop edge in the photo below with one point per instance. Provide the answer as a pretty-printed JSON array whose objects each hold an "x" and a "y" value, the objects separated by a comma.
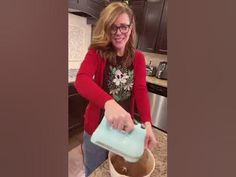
[{"x": 156, "y": 81}]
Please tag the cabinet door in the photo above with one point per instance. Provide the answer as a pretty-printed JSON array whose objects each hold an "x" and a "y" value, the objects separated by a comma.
[
  {"x": 162, "y": 38},
  {"x": 138, "y": 8},
  {"x": 151, "y": 27},
  {"x": 77, "y": 106}
]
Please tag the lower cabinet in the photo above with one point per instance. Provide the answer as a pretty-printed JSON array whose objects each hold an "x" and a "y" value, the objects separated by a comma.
[{"x": 77, "y": 106}]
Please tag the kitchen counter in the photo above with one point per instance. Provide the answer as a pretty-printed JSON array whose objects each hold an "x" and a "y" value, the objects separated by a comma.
[
  {"x": 150, "y": 79},
  {"x": 159, "y": 152},
  {"x": 156, "y": 81}
]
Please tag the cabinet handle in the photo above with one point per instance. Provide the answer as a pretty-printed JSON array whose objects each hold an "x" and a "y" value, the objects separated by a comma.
[
  {"x": 162, "y": 50},
  {"x": 153, "y": 0},
  {"x": 150, "y": 49}
]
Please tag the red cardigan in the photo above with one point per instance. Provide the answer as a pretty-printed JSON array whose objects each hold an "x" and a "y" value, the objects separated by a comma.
[{"x": 89, "y": 82}]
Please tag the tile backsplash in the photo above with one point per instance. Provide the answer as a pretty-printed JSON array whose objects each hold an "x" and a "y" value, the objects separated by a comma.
[
  {"x": 79, "y": 38},
  {"x": 154, "y": 58}
]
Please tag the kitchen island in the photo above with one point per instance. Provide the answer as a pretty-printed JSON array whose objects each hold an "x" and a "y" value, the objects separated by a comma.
[{"x": 159, "y": 152}]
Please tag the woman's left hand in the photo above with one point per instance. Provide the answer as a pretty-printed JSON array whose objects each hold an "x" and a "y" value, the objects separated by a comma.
[{"x": 150, "y": 140}]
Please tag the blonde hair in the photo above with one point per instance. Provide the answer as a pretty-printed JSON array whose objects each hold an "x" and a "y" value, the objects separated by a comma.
[{"x": 101, "y": 40}]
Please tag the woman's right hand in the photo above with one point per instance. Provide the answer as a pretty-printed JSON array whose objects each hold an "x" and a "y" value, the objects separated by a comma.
[{"x": 118, "y": 117}]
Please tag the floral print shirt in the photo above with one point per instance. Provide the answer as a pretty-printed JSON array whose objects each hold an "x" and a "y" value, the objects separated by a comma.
[{"x": 118, "y": 82}]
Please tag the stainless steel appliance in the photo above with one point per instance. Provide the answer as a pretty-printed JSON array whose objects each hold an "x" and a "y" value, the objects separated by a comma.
[
  {"x": 158, "y": 103},
  {"x": 161, "y": 72},
  {"x": 150, "y": 70}
]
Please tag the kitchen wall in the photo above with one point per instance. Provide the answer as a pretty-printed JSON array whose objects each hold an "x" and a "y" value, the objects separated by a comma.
[{"x": 79, "y": 37}]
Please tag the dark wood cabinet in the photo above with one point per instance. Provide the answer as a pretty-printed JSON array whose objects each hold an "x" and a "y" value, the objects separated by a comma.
[
  {"x": 138, "y": 9},
  {"x": 151, "y": 17},
  {"x": 161, "y": 44},
  {"x": 77, "y": 106}
]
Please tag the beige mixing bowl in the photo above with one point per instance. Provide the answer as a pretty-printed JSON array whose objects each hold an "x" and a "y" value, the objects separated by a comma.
[{"x": 121, "y": 168}]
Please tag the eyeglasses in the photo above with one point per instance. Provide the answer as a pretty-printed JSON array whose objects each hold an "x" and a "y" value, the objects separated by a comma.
[{"x": 123, "y": 28}]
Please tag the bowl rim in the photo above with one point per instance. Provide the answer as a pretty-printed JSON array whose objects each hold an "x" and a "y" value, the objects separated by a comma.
[{"x": 121, "y": 175}]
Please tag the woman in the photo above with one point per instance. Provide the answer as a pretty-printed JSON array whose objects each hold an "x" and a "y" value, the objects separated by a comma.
[{"x": 113, "y": 78}]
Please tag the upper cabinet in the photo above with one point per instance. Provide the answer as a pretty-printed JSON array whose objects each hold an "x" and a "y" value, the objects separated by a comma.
[
  {"x": 151, "y": 24},
  {"x": 138, "y": 9},
  {"x": 161, "y": 44}
]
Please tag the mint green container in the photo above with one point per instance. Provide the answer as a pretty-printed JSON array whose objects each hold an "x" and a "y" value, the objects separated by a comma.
[{"x": 128, "y": 145}]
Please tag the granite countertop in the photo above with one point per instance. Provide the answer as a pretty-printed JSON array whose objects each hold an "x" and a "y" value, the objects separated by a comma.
[
  {"x": 156, "y": 81},
  {"x": 159, "y": 152}
]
